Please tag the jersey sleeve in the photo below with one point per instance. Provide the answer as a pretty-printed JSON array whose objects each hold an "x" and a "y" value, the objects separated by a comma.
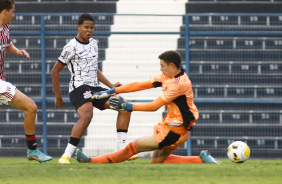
[
  {"x": 139, "y": 86},
  {"x": 9, "y": 41},
  {"x": 134, "y": 86},
  {"x": 66, "y": 55},
  {"x": 156, "y": 81},
  {"x": 150, "y": 106}
]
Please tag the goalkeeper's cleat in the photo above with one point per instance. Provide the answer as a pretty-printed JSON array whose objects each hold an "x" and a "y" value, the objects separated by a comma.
[
  {"x": 64, "y": 160},
  {"x": 37, "y": 155},
  {"x": 207, "y": 158},
  {"x": 134, "y": 157},
  {"x": 81, "y": 158}
]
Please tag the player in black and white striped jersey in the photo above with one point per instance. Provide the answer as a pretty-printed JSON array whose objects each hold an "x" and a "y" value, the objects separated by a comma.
[{"x": 80, "y": 55}]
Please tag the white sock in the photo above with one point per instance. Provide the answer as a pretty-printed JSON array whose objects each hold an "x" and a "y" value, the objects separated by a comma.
[
  {"x": 70, "y": 149},
  {"x": 121, "y": 140}
]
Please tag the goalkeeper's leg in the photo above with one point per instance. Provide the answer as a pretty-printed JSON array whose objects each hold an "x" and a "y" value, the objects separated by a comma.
[
  {"x": 146, "y": 143},
  {"x": 118, "y": 156},
  {"x": 204, "y": 157},
  {"x": 159, "y": 155}
]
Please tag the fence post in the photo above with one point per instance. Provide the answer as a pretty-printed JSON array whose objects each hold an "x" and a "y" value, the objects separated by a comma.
[
  {"x": 189, "y": 152},
  {"x": 43, "y": 87}
]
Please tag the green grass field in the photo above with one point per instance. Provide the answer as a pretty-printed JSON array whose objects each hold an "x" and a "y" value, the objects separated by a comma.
[{"x": 20, "y": 170}]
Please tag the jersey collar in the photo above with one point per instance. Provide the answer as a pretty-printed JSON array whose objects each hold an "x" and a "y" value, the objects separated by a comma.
[
  {"x": 181, "y": 73},
  {"x": 81, "y": 42}
]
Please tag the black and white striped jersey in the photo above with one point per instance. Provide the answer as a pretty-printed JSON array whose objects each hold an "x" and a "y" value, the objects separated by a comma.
[{"x": 82, "y": 61}]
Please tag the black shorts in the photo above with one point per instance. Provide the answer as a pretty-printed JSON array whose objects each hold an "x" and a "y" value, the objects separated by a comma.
[{"x": 82, "y": 94}]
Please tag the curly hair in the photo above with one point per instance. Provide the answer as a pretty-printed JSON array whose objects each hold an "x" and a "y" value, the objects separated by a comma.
[{"x": 85, "y": 17}]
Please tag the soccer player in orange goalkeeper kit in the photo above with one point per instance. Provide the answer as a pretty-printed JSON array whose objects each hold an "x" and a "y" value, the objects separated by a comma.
[{"x": 169, "y": 133}]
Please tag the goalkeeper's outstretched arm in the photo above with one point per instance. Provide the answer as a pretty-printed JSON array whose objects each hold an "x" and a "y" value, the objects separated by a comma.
[
  {"x": 150, "y": 106},
  {"x": 131, "y": 87},
  {"x": 118, "y": 103},
  {"x": 134, "y": 86}
]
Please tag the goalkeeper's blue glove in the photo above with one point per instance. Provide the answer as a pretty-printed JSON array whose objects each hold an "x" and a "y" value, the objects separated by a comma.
[
  {"x": 118, "y": 103},
  {"x": 104, "y": 94}
]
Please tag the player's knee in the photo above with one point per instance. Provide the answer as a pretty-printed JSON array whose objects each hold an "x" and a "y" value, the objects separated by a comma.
[
  {"x": 124, "y": 113},
  {"x": 155, "y": 161},
  {"x": 31, "y": 108},
  {"x": 121, "y": 98},
  {"x": 86, "y": 116}
]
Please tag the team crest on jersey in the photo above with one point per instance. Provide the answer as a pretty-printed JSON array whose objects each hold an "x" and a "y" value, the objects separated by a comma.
[{"x": 87, "y": 94}]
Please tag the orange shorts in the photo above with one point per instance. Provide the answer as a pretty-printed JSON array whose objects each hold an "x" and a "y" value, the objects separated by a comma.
[{"x": 167, "y": 139}]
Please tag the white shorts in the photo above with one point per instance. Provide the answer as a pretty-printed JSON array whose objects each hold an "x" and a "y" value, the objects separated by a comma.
[{"x": 7, "y": 92}]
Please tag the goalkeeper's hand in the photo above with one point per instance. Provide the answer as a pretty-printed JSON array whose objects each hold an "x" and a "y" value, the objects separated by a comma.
[
  {"x": 118, "y": 103},
  {"x": 104, "y": 94}
]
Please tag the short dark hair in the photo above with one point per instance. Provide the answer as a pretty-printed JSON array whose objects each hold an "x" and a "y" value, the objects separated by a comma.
[
  {"x": 6, "y": 4},
  {"x": 85, "y": 17},
  {"x": 171, "y": 56}
]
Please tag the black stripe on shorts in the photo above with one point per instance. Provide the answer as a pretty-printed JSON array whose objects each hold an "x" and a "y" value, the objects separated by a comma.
[{"x": 170, "y": 139}]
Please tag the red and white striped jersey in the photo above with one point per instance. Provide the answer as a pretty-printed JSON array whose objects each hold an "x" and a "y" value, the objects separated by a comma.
[{"x": 5, "y": 42}]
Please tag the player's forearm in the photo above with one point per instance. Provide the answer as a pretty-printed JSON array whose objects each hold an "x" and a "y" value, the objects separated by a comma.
[
  {"x": 151, "y": 106},
  {"x": 134, "y": 86},
  {"x": 56, "y": 84},
  {"x": 12, "y": 50},
  {"x": 103, "y": 79}
]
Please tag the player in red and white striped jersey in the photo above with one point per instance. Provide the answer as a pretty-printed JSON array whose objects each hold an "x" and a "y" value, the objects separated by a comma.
[{"x": 9, "y": 94}]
